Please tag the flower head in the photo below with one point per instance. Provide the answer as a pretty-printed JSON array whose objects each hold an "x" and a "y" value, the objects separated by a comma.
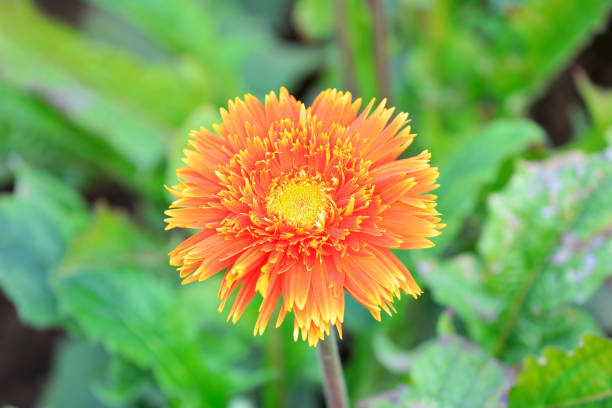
[{"x": 301, "y": 204}]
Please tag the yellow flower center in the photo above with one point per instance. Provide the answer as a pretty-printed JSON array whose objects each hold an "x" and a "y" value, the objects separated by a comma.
[{"x": 302, "y": 203}]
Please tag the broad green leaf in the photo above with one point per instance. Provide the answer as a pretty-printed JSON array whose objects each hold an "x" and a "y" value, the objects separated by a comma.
[
  {"x": 451, "y": 373},
  {"x": 460, "y": 284},
  {"x": 190, "y": 28},
  {"x": 36, "y": 132},
  {"x": 91, "y": 89},
  {"x": 547, "y": 238},
  {"x": 543, "y": 249},
  {"x": 110, "y": 284},
  {"x": 76, "y": 368},
  {"x": 133, "y": 312},
  {"x": 134, "y": 316},
  {"x": 38, "y": 221},
  {"x": 581, "y": 378},
  {"x": 131, "y": 133},
  {"x": 474, "y": 164},
  {"x": 455, "y": 374},
  {"x": 160, "y": 92},
  {"x": 112, "y": 240}
]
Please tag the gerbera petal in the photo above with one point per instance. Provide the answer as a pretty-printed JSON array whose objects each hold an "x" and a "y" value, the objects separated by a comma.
[
  {"x": 267, "y": 307},
  {"x": 296, "y": 285},
  {"x": 332, "y": 106},
  {"x": 244, "y": 296}
]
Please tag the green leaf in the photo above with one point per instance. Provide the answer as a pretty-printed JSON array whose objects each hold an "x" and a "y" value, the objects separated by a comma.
[
  {"x": 132, "y": 135},
  {"x": 547, "y": 237},
  {"x": 92, "y": 91},
  {"x": 134, "y": 316},
  {"x": 77, "y": 367},
  {"x": 452, "y": 373},
  {"x": 455, "y": 374},
  {"x": 543, "y": 249},
  {"x": 162, "y": 93},
  {"x": 38, "y": 221},
  {"x": 132, "y": 312},
  {"x": 581, "y": 378},
  {"x": 112, "y": 240},
  {"x": 35, "y": 131},
  {"x": 110, "y": 284},
  {"x": 190, "y": 28},
  {"x": 460, "y": 284},
  {"x": 475, "y": 163}
]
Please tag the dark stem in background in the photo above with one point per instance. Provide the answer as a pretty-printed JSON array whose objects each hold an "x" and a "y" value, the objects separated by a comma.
[
  {"x": 346, "y": 56},
  {"x": 333, "y": 379},
  {"x": 380, "y": 52}
]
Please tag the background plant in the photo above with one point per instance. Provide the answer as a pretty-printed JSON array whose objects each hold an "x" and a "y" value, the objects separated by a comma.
[{"x": 93, "y": 118}]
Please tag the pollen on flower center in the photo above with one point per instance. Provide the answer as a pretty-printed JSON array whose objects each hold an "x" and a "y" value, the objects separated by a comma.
[{"x": 301, "y": 203}]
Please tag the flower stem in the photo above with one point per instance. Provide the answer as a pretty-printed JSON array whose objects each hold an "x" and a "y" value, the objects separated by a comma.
[
  {"x": 346, "y": 55},
  {"x": 333, "y": 379},
  {"x": 380, "y": 51}
]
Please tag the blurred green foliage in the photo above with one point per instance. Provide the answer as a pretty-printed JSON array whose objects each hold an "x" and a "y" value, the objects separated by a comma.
[{"x": 107, "y": 104}]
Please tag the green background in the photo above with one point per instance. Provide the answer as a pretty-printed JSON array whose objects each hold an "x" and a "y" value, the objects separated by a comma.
[{"x": 97, "y": 98}]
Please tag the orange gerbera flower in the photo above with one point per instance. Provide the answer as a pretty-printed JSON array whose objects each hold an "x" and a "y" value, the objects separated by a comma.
[{"x": 301, "y": 204}]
